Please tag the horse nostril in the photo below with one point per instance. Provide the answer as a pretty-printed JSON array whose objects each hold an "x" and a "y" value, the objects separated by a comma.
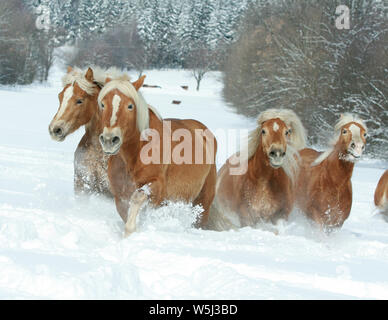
[
  {"x": 101, "y": 138},
  {"x": 283, "y": 154},
  {"x": 116, "y": 140},
  {"x": 353, "y": 145},
  {"x": 58, "y": 131},
  {"x": 272, "y": 153}
]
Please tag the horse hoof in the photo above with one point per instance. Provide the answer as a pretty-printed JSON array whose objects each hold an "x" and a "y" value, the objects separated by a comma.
[{"x": 127, "y": 233}]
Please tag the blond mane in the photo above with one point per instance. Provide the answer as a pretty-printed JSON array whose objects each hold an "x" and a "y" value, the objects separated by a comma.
[
  {"x": 344, "y": 119},
  {"x": 124, "y": 85},
  {"x": 77, "y": 75}
]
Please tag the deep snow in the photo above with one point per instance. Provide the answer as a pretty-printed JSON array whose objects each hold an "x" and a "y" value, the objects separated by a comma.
[{"x": 52, "y": 246}]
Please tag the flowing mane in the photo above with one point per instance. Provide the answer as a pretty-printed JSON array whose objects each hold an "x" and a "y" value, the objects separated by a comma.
[
  {"x": 123, "y": 84},
  {"x": 296, "y": 143},
  {"x": 344, "y": 119},
  {"x": 77, "y": 75}
]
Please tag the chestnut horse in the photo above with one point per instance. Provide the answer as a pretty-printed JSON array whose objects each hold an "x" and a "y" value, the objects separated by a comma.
[
  {"x": 78, "y": 107},
  {"x": 324, "y": 183},
  {"x": 381, "y": 194},
  {"x": 128, "y": 121},
  {"x": 265, "y": 192}
]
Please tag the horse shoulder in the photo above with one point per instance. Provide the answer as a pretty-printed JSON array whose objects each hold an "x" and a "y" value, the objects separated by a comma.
[
  {"x": 308, "y": 155},
  {"x": 230, "y": 188},
  {"x": 120, "y": 179},
  {"x": 81, "y": 149},
  {"x": 347, "y": 199},
  {"x": 308, "y": 176},
  {"x": 83, "y": 166},
  {"x": 381, "y": 192}
]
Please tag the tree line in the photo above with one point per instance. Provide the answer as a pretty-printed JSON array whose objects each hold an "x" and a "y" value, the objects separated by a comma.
[
  {"x": 273, "y": 53},
  {"x": 290, "y": 54},
  {"x": 132, "y": 34}
]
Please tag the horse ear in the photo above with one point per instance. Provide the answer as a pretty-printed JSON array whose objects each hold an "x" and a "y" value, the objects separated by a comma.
[
  {"x": 108, "y": 80},
  {"x": 69, "y": 69},
  {"x": 89, "y": 75},
  {"x": 139, "y": 83}
]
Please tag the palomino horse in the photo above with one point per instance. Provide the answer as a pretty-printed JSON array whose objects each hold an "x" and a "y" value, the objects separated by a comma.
[
  {"x": 381, "y": 194},
  {"x": 324, "y": 185},
  {"x": 128, "y": 121},
  {"x": 265, "y": 192},
  {"x": 78, "y": 107}
]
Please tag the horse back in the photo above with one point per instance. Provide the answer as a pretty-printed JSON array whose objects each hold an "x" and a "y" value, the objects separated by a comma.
[
  {"x": 193, "y": 126},
  {"x": 308, "y": 156},
  {"x": 185, "y": 175}
]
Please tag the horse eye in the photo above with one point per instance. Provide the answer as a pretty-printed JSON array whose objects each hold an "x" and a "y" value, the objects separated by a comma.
[
  {"x": 130, "y": 107},
  {"x": 79, "y": 101},
  {"x": 344, "y": 131},
  {"x": 263, "y": 131},
  {"x": 365, "y": 135},
  {"x": 102, "y": 106}
]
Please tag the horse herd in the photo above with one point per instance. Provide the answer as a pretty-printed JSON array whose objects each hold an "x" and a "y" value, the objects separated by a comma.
[{"x": 281, "y": 173}]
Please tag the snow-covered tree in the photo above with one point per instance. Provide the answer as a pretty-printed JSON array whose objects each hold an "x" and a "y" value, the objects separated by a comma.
[{"x": 292, "y": 55}]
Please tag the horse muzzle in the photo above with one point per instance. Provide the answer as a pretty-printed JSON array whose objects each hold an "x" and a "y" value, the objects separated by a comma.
[
  {"x": 110, "y": 142},
  {"x": 57, "y": 132},
  {"x": 355, "y": 151},
  {"x": 276, "y": 158}
]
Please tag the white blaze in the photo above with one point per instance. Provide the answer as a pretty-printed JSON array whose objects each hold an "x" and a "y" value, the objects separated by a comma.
[
  {"x": 356, "y": 133},
  {"x": 115, "y": 103},
  {"x": 275, "y": 126},
  {"x": 356, "y": 137},
  {"x": 66, "y": 97}
]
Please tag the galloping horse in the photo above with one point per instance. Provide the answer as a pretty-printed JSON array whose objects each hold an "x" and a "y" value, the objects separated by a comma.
[
  {"x": 381, "y": 194},
  {"x": 128, "y": 123},
  {"x": 324, "y": 185},
  {"x": 266, "y": 191},
  {"x": 78, "y": 107}
]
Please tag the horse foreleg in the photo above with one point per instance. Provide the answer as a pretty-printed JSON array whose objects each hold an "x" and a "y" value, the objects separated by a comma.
[
  {"x": 205, "y": 198},
  {"x": 122, "y": 205},
  {"x": 137, "y": 200},
  {"x": 81, "y": 188}
]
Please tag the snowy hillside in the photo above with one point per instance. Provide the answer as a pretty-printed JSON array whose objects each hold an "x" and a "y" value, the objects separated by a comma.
[{"x": 54, "y": 247}]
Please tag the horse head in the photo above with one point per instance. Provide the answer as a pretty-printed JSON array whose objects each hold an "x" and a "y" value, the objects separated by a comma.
[
  {"x": 352, "y": 135},
  {"x": 274, "y": 139},
  {"x": 77, "y": 103},
  {"x": 123, "y": 112}
]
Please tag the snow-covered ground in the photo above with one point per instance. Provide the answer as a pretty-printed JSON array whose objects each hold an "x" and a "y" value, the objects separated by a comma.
[{"x": 52, "y": 246}]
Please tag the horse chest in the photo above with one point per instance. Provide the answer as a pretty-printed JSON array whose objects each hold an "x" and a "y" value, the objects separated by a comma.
[
  {"x": 262, "y": 200},
  {"x": 91, "y": 158},
  {"x": 334, "y": 203},
  {"x": 91, "y": 164}
]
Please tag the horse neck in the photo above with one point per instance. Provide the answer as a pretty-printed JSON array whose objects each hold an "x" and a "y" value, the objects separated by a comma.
[
  {"x": 259, "y": 167},
  {"x": 93, "y": 127},
  {"x": 339, "y": 169},
  {"x": 130, "y": 150}
]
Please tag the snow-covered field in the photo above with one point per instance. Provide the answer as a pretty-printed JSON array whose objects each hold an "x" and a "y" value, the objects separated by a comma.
[{"x": 52, "y": 246}]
